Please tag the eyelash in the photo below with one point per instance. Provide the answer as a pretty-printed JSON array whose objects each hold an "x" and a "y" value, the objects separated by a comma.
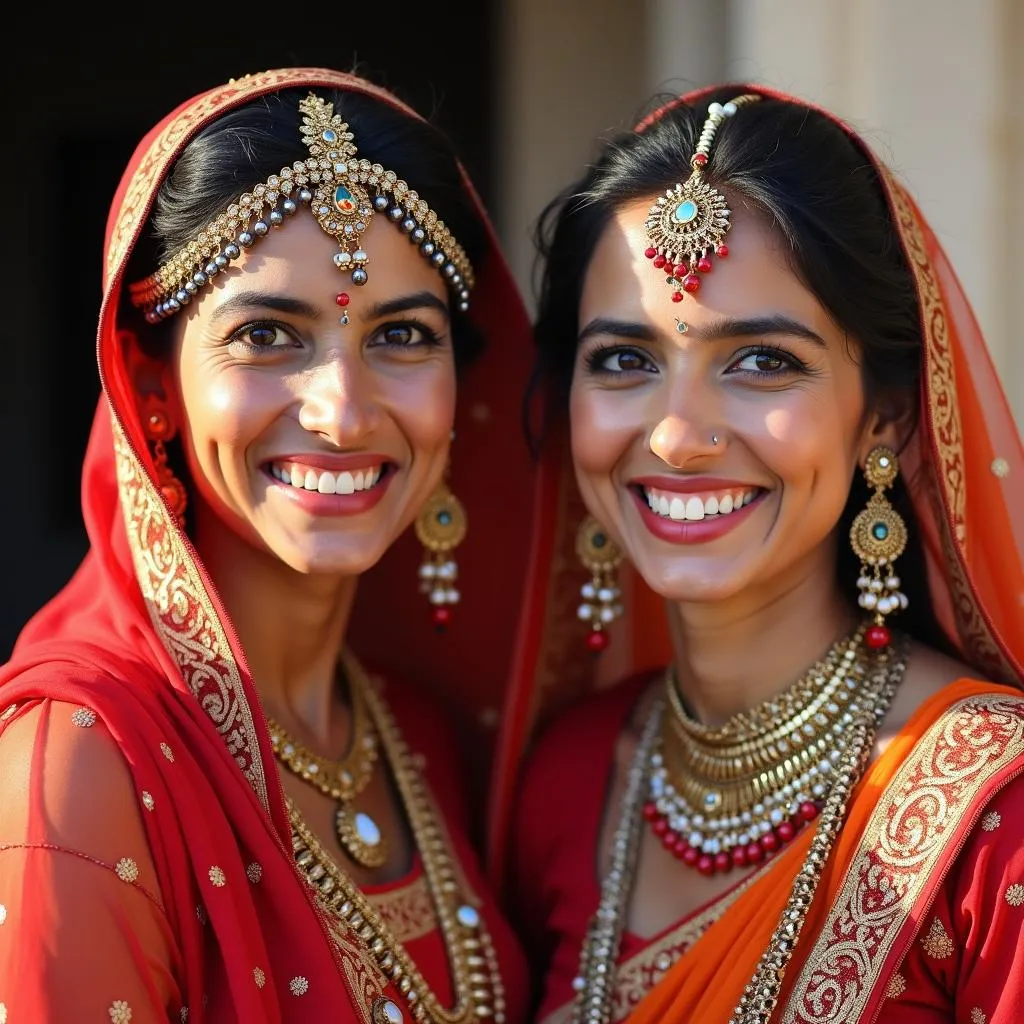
[
  {"x": 791, "y": 363},
  {"x": 429, "y": 337}
]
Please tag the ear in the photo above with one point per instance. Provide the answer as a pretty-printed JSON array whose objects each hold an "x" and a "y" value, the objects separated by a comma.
[
  {"x": 890, "y": 422},
  {"x": 152, "y": 378}
]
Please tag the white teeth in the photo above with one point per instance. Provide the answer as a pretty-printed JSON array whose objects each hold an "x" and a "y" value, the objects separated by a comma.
[
  {"x": 324, "y": 481},
  {"x": 694, "y": 507}
]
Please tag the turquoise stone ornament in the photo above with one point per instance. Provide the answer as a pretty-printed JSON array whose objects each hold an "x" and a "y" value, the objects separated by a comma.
[
  {"x": 330, "y": 136},
  {"x": 344, "y": 201},
  {"x": 685, "y": 211}
]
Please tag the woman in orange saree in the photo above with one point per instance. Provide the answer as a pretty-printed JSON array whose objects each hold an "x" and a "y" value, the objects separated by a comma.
[
  {"x": 231, "y": 787},
  {"x": 810, "y": 814}
]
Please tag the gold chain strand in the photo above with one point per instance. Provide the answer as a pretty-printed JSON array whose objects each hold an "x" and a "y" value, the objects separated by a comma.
[
  {"x": 476, "y": 979},
  {"x": 595, "y": 983},
  {"x": 761, "y": 995}
]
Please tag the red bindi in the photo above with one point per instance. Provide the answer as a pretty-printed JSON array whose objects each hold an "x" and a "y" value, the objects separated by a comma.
[{"x": 342, "y": 298}]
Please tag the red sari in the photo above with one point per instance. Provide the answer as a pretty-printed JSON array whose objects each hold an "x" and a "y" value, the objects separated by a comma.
[
  {"x": 919, "y": 914},
  {"x": 146, "y": 871}
]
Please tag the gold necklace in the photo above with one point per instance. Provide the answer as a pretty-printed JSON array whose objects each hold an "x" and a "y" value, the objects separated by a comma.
[
  {"x": 359, "y": 835},
  {"x": 479, "y": 993},
  {"x": 596, "y": 979},
  {"x": 725, "y": 797}
]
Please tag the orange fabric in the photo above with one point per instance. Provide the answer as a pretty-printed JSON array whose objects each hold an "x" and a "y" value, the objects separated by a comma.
[
  {"x": 140, "y": 637},
  {"x": 706, "y": 983}
]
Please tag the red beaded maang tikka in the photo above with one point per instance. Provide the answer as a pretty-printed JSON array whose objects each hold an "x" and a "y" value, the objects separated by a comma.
[{"x": 687, "y": 225}]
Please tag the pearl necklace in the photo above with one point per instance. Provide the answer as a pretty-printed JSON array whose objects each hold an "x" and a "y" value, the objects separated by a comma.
[
  {"x": 722, "y": 798},
  {"x": 595, "y": 982}
]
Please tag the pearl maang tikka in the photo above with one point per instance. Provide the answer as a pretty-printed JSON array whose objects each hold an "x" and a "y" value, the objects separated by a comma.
[
  {"x": 687, "y": 225},
  {"x": 336, "y": 184}
]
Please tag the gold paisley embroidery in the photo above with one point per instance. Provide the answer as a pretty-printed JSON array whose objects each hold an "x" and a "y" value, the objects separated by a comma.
[
  {"x": 184, "y": 617},
  {"x": 363, "y": 976},
  {"x": 254, "y": 872},
  {"x": 991, "y": 821},
  {"x": 147, "y": 800},
  {"x": 937, "y": 943},
  {"x": 896, "y": 987},
  {"x": 217, "y": 877},
  {"x": 915, "y": 818},
  {"x": 1015, "y": 895},
  {"x": 259, "y": 977}
]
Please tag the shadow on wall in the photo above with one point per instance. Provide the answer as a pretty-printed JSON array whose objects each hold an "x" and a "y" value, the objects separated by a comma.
[{"x": 78, "y": 119}]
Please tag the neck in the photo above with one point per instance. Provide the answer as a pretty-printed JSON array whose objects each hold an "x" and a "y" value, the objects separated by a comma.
[
  {"x": 731, "y": 656},
  {"x": 291, "y": 627}
]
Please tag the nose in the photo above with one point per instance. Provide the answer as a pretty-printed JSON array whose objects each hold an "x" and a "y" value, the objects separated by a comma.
[
  {"x": 686, "y": 431},
  {"x": 338, "y": 401}
]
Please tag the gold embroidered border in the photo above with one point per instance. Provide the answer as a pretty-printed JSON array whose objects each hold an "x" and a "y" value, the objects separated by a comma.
[
  {"x": 917, "y": 816},
  {"x": 183, "y": 615},
  {"x": 408, "y": 912}
]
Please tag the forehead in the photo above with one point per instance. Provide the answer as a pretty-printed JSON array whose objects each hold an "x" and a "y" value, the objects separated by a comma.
[
  {"x": 755, "y": 279},
  {"x": 297, "y": 259}
]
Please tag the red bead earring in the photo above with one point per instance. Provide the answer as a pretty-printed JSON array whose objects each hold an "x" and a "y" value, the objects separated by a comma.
[{"x": 158, "y": 429}]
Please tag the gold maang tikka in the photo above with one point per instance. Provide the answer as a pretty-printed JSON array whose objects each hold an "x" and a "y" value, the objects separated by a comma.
[
  {"x": 687, "y": 225},
  {"x": 343, "y": 193}
]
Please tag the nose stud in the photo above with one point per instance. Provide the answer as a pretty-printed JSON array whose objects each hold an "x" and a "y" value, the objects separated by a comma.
[{"x": 714, "y": 439}]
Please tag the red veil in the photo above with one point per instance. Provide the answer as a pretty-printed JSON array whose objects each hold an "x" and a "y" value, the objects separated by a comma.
[
  {"x": 964, "y": 464},
  {"x": 140, "y": 636}
]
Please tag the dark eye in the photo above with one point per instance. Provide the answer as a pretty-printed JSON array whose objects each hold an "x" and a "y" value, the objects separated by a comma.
[
  {"x": 618, "y": 360},
  {"x": 263, "y": 336},
  {"x": 762, "y": 362},
  {"x": 408, "y": 334}
]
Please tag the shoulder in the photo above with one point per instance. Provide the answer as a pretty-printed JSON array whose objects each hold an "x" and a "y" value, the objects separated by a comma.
[{"x": 62, "y": 770}]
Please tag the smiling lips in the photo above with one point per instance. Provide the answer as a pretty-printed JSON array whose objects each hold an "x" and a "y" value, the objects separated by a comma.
[
  {"x": 694, "y": 516},
  {"x": 329, "y": 490},
  {"x": 325, "y": 481},
  {"x": 696, "y": 506}
]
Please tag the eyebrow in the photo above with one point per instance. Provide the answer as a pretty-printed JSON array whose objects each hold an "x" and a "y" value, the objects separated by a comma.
[
  {"x": 245, "y": 302},
  {"x": 724, "y": 327}
]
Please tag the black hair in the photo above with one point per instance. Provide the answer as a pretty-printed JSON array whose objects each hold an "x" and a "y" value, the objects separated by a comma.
[
  {"x": 819, "y": 190},
  {"x": 244, "y": 147}
]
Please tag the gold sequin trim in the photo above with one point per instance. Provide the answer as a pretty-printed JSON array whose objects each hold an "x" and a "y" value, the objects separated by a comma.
[
  {"x": 991, "y": 821},
  {"x": 978, "y": 1016},
  {"x": 896, "y": 987},
  {"x": 84, "y": 718},
  {"x": 127, "y": 870},
  {"x": 299, "y": 986},
  {"x": 217, "y": 876},
  {"x": 937, "y": 943},
  {"x": 147, "y": 800},
  {"x": 167, "y": 752},
  {"x": 1000, "y": 468},
  {"x": 3, "y": 913},
  {"x": 1015, "y": 895},
  {"x": 120, "y": 1012},
  {"x": 254, "y": 872},
  {"x": 259, "y": 977}
]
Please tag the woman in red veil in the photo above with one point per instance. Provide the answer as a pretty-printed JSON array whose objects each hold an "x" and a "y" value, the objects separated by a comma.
[
  {"x": 232, "y": 788},
  {"x": 788, "y": 787}
]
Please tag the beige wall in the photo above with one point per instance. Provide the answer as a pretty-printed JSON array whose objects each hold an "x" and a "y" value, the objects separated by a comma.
[{"x": 931, "y": 83}]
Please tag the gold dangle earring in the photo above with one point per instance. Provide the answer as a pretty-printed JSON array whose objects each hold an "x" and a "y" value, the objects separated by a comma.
[
  {"x": 441, "y": 527},
  {"x": 158, "y": 428},
  {"x": 601, "y": 557},
  {"x": 878, "y": 536}
]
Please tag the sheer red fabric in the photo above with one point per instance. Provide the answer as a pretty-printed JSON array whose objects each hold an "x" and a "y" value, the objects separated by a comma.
[{"x": 146, "y": 870}]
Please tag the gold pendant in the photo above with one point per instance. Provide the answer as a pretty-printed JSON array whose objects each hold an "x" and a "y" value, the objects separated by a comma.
[{"x": 360, "y": 837}]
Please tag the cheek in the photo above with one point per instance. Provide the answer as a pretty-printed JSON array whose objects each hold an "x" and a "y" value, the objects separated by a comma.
[
  {"x": 603, "y": 423},
  {"x": 426, "y": 405},
  {"x": 229, "y": 408}
]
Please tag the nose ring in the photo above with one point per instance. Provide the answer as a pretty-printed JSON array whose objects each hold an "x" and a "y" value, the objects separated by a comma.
[{"x": 714, "y": 439}]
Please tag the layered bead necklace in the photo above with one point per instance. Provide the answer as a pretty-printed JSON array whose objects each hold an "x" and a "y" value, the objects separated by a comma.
[
  {"x": 869, "y": 678},
  {"x": 723, "y": 798},
  {"x": 473, "y": 964}
]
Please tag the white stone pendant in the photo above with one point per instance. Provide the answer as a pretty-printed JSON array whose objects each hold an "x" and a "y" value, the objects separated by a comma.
[{"x": 360, "y": 837}]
